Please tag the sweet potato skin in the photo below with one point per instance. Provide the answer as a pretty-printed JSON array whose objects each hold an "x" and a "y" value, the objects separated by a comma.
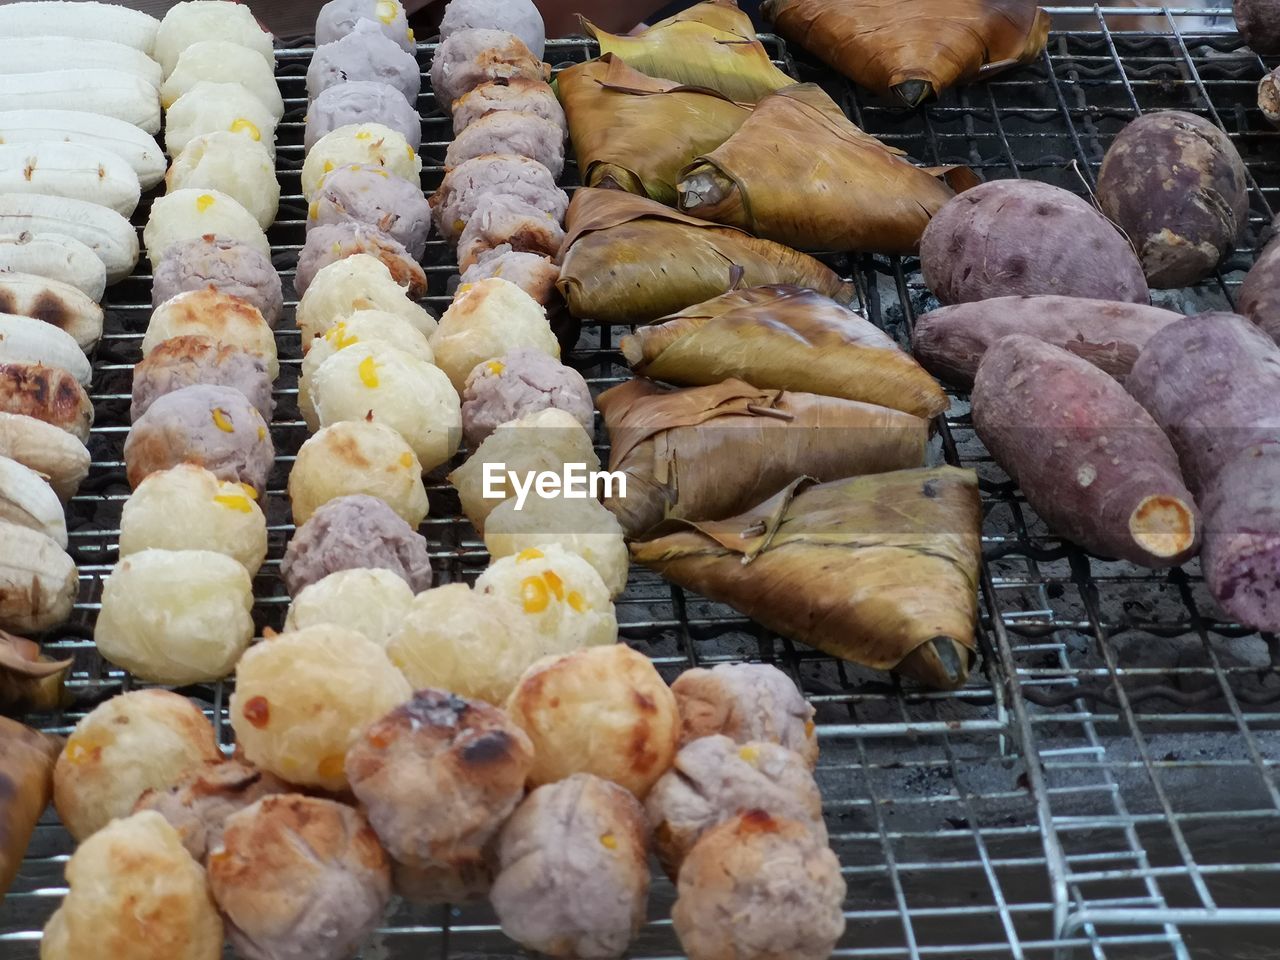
[
  {"x": 1211, "y": 382},
  {"x": 1088, "y": 458},
  {"x": 1259, "y": 23},
  {"x": 1021, "y": 238},
  {"x": 1242, "y": 537},
  {"x": 1259, "y": 298},
  {"x": 1177, "y": 186},
  {"x": 950, "y": 342}
]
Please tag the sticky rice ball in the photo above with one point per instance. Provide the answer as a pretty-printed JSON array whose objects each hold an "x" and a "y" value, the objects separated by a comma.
[
  {"x": 221, "y": 61},
  {"x": 356, "y": 283},
  {"x": 337, "y": 241},
  {"x": 520, "y": 17},
  {"x": 191, "y": 213},
  {"x": 175, "y": 616},
  {"x": 227, "y": 320},
  {"x": 190, "y": 360},
  {"x": 502, "y": 221},
  {"x": 366, "y": 143},
  {"x": 507, "y": 131},
  {"x": 134, "y": 891},
  {"x": 302, "y": 699},
  {"x": 357, "y": 456},
  {"x": 232, "y": 164},
  {"x": 364, "y": 53},
  {"x": 580, "y": 526},
  {"x": 463, "y": 640},
  {"x": 209, "y": 107},
  {"x": 124, "y": 747},
  {"x": 536, "y": 275},
  {"x": 464, "y": 186},
  {"x": 540, "y": 442},
  {"x": 362, "y": 326},
  {"x": 380, "y": 383},
  {"x": 362, "y": 101},
  {"x": 363, "y": 194},
  {"x": 228, "y": 266},
  {"x": 189, "y": 23},
  {"x": 355, "y": 531},
  {"x": 557, "y": 592},
  {"x": 337, "y": 18},
  {"x": 373, "y": 603},
  {"x": 600, "y": 710},
  {"x": 467, "y": 58},
  {"x": 215, "y": 515},
  {"x": 212, "y": 427},
  {"x": 517, "y": 384},
  {"x": 299, "y": 876},
  {"x": 488, "y": 320},
  {"x": 518, "y": 94}
]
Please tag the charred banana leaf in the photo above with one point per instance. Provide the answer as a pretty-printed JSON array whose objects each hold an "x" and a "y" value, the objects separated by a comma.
[
  {"x": 879, "y": 570},
  {"x": 784, "y": 338},
  {"x": 799, "y": 172},
  {"x": 706, "y": 453},
  {"x": 711, "y": 45},
  {"x": 626, "y": 259},
  {"x": 635, "y": 133},
  {"x": 26, "y": 785},
  {"x": 913, "y": 49},
  {"x": 29, "y": 680}
]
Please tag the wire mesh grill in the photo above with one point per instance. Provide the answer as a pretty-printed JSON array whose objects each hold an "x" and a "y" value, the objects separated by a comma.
[{"x": 1103, "y": 784}]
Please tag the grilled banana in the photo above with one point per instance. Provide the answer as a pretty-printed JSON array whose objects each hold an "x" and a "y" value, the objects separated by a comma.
[
  {"x": 111, "y": 93},
  {"x": 103, "y": 231},
  {"x": 38, "y": 580},
  {"x": 46, "y": 393},
  {"x": 136, "y": 147},
  {"x": 42, "y": 54},
  {"x": 27, "y": 500},
  {"x": 73, "y": 170},
  {"x": 54, "y": 454},
  {"x": 53, "y": 256},
  {"x": 90, "y": 21},
  {"x": 27, "y": 340},
  {"x": 58, "y": 304}
]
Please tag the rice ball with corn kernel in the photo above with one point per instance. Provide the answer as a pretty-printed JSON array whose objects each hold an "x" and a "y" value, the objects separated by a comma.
[
  {"x": 371, "y": 601},
  {"x": 192, "y": 213},
  {"x": 236, "y": 165},
  {"x": 486, "y": 320},
  {"x": 557, "y": 593},
  {"x": 362, "y": 282},
  {"x": 366, "y": 143},
  {"x": 228, "y": 320},
  {"x": 581, "y": 526},
  {"x": 360, "y": 327},
  {"x": 303, "y": 698},
  {"x": 357, "y": 456},
  {"x": 216, "y": 515},
  {"x": 209, "y": 107}
]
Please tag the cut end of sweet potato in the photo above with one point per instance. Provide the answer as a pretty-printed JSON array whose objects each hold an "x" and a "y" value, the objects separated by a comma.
[{"x": 1164, "y": 526}]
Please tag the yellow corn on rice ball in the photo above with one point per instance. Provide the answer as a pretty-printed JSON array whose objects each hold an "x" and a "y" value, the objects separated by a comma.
[
  {"x": 362, "y": 282},
  {"x": 209, "y": 107},
  {"x": 228, "y": 320},
  {"x": 358, "y": 456},
  {"x": 191, "y": 213},
  {"x": 233, "y": 164},
  {"x": 372, "y": 602},
  {"x": 489, "y": 319},
  {"x": 369, "y": 143}
]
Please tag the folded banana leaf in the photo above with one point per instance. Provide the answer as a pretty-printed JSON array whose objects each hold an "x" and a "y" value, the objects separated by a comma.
[
  {"x": 706, "y": 453},
  {"x": 879, "y": 570},
  {"x": 711, "y": 45},
  {"x": 626, "y": 259},
  {"x": 29, "y": 680},
  {"x": 913, "y": 49},
  {"x": 26, "y": 786},
  {"x": 634, "y": 133},
  {"x": 784, "y": 338},
  {"x": 799, "y": 172}
]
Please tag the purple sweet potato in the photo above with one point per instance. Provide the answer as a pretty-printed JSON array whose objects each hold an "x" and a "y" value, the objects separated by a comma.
[
  {"x": 1212, "y": 382},
  {"x": 1259, "y": 23},
  {"x": 1242, "y": 537},
  {"x": 1021, "y": 238},
  {"x": 1260, "y": 296},
  {"x": 1089, "y": 459},
  {"x": 950, "y": 342}
]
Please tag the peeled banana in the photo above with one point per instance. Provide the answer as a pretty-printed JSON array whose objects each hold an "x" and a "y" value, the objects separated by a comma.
[
  {"x": 73, "y": 170},
  {"x": 111, "y": 93},
  {"x": 27, "y": 500},
  {"x": 90, "y": 21},
  {"x": 54, "y": 454},
  {"x": 103, "y": 231},
  {"x": 52, "y": 256},
  {"x": 42, "y": 54},
  {"x": 27, "y": 340},
  {"x": 38, "y": 580},
  {"x": 136, "y": 147},
  {"x": 58, "y": 304}
]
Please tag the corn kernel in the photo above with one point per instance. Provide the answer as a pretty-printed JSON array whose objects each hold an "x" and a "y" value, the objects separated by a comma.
[
  {"x": 204, "y": 202},
  {"x": 246, "y": 126},
  {"x": 328, "y": 166},
  {"x": 387, "y": 10},
  {"x": 608, "y": 841},
  {"x": 555, "y": 583},
  {"x": 750, "y": 754},
  {"x": 534, "y": 595},
  {"x": 496, "y": 367},
  {"x": 576, "y": 601},
  {"x": 337, "y": 248},
  {"x": 262, "y": 434},
  {"x": 331, "y": 766},
  {"x": 249, "y": 492},
  {"x": 380, "y": 172},
  {"x": 222, "y": 421},
  {"x": 364, "y": 135},
  {"x": 458, "y": 227},
  {"x": 409, "y": 150},
  {"x": 531, "y": 553},
  {"x": 77, "y": 752},
  {"x": 809, "y": 728},
  {"x": 406, "y": 460},
  {"x": 233, "y": 502},
  {"x": 369, "y": 372},
  {"x": 409, "y": 34},
  {"x": 313, "y": 211}
]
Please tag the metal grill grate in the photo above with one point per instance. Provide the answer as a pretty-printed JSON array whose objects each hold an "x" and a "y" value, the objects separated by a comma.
[{"x": 1105, "y": 782}]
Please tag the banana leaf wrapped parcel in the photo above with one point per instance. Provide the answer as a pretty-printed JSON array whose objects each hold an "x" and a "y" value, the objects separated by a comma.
[
  {"x": 799, "y": 172},
  {"x": 711, "y": 44},
  {"x": 913, "y": 49},
  {"x": 878, "y": 570},
  {"x": 634, "y": 133},
  {"x": 706, "y": 453},
  {"x": 785, "y": 338},
  {"x": 626, "y": 259}
]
